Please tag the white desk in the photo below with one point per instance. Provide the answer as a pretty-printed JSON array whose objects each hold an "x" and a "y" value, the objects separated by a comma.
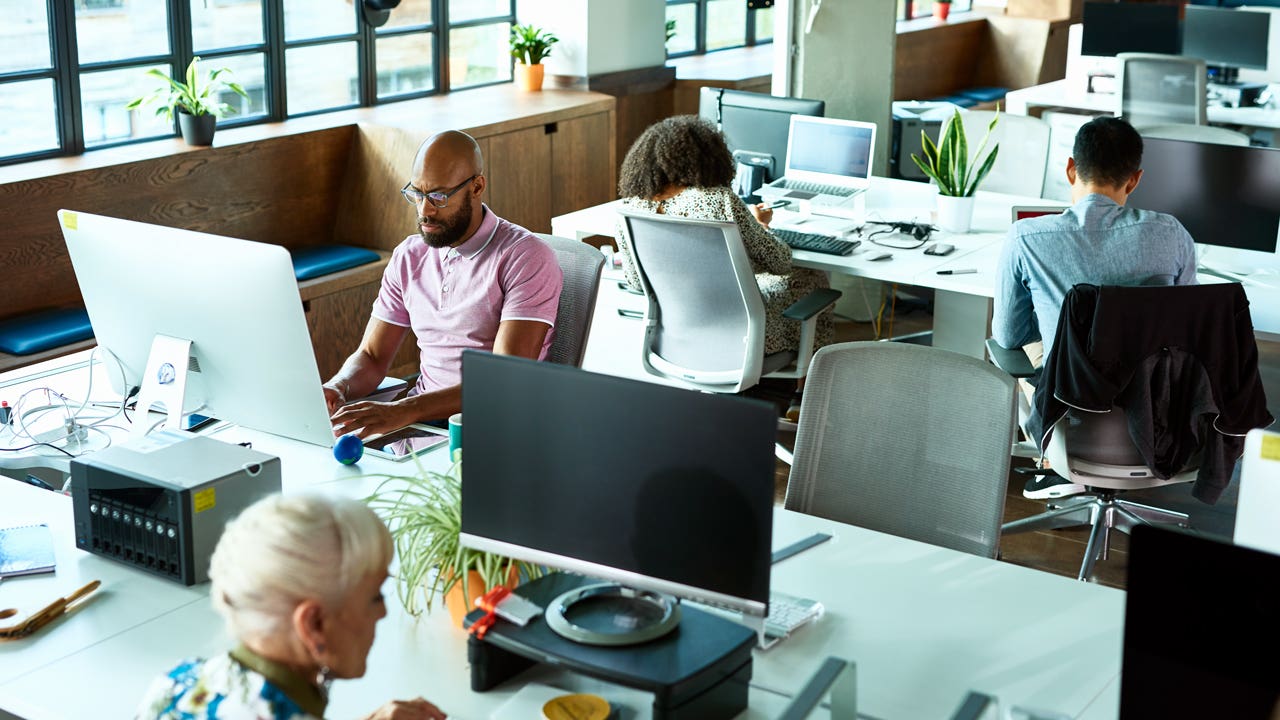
[
  {"x": 962, "y": 307},
  {"x": 1070, "y": 95}
]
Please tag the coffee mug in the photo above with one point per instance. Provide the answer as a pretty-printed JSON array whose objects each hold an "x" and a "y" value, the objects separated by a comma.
[{"x": 455, "y": 437}]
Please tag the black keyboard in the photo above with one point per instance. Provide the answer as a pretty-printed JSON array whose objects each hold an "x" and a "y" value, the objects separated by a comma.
[{"x": 814, "y": 242}]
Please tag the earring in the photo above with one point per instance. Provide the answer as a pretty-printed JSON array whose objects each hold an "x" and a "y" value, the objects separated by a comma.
[{"x": 324, "y": 677}]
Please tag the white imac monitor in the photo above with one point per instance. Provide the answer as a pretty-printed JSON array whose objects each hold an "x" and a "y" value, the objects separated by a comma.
[{"x": 251, "y": 361}]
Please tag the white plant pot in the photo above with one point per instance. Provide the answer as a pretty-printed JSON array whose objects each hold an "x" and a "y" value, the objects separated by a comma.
[{"x": 955, "y": 214}]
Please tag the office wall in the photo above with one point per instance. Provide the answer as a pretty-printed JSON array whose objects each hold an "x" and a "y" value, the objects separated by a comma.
[
  {"x": 847, "y": 60},
  {"x": 599, "y": 36}
]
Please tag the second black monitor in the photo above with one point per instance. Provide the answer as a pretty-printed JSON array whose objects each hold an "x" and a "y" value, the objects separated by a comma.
[
  {"x": 1227, "y": 37},
  {"x": 756, "y": 125}
]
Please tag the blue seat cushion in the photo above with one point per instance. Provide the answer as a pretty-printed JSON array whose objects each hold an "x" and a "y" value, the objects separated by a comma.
[
  {"x": 316, "y": 260},
  {"x": 960, "y": 100},
  {"x": 27, "y": 334},
  {"x": 984, "y": 94}
]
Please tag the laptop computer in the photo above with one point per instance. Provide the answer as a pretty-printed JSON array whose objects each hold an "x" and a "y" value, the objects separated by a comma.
[
  {"x": 828, "y": 161},
  {"x": 1200, "y": 629},
  {"x": 1022, "y": 212}
]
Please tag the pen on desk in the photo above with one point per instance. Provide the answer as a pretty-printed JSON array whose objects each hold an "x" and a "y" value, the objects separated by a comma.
[
  {"x": 777, "y": 204},
  {"x": 964, "y": 271}
]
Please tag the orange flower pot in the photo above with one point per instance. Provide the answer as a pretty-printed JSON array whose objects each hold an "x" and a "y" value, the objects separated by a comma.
[
  {"x": 529, "y": 77},
  {"x": 941, "y": 10}
]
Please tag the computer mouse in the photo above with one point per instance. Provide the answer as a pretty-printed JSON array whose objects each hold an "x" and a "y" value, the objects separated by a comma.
[{"x": 881, "y": 256}]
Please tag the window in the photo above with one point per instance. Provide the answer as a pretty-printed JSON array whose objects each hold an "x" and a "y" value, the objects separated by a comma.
[
  {"x": 908, "y": 9},
  {"x": 699, "y": 26},
  {"x": 292, "y": 57}
]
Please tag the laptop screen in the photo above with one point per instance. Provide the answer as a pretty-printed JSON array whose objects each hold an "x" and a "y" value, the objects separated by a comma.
[
  {"x": 831, "y": 147},
  {"x": 1022, "y": 212},
  {"x": 1200, "y": 629}
]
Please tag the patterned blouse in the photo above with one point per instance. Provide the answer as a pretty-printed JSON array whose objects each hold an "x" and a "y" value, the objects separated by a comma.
[
  {"x": 780, "y": 283},
  {"x": 226, "y": 686}
]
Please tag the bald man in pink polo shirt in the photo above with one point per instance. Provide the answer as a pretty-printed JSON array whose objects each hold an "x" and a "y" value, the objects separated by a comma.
[{"x": 468, "y": 279}]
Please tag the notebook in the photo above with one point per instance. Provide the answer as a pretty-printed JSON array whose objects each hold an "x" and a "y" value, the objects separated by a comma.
[
  {"x": 1256, "y": 525},
  {"x": 828, "y": 161},
  {"x": 25, "y": 550}
]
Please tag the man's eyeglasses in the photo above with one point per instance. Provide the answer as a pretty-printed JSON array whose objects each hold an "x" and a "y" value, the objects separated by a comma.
[{"x": 438, "y": 199}]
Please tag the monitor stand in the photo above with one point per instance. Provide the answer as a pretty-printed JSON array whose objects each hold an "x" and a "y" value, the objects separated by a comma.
[
  {"x": 164, "y": 381},
  {"x": 612, "y": 614},
  {"x": 700, "y": 671}
]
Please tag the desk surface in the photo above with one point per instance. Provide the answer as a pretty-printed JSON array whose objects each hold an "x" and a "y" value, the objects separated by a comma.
[
  {"x": 1071, "y": 95},
  {"x": 924, "y": 624}
]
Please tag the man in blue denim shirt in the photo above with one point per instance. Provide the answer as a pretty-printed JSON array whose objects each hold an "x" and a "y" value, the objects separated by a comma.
[{"x": 1097, "y": 240}]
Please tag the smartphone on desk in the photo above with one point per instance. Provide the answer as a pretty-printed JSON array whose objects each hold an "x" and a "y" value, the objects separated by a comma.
[{"x": 400, "y": 445}]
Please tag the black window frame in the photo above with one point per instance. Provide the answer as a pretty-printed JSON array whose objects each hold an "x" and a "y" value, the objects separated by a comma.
[{"x": 751, "y": 37}]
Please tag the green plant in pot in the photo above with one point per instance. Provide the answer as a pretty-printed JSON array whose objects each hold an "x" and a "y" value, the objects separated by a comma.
[
  {"x": 194, "y": 99},
  {"x": 957, "y": 176},
  {"x": 424, "y": 514},
  {"x": 530, "y": 46}
]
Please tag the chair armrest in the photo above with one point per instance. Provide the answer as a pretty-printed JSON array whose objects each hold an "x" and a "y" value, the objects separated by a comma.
[
  {"x": 1015, "y": 361},
  {"x": 623, "y": 286},
  {"x": 812, "y": 304}
]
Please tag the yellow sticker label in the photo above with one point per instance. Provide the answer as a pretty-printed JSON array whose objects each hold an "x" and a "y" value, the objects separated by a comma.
[
  {"x": 70, "y": 220},
  {"x": 205, "y": 500},
  {"x": 1271, "y": 447}
]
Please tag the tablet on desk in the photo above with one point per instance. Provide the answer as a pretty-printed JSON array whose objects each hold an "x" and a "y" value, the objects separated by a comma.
[{"x": 400, "y": 445}]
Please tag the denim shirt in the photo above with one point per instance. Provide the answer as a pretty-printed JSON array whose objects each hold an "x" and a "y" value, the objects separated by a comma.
[{"x": 1095, "y": 241}]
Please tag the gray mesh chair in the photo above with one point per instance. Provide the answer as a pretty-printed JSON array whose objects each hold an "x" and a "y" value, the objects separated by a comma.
[
  {"x": 580, "y": 263},
  {"x": 908, "y": 440},
  {"x": 1162, "y": 89},
  {"x": 704, "y": 325}
]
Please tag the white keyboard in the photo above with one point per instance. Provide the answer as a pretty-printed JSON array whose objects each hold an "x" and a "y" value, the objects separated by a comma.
[
  {"x": 788, "y": 612},
  {"x": 816, "y": 188}
]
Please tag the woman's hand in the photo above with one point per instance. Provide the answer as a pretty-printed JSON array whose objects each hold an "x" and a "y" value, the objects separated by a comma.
[
  {"x": 407, "y": 710},
  {"x": 763, "y": 213}
]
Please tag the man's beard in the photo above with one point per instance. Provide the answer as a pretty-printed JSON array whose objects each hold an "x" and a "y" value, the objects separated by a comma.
[{"x": 452, "y": 231}]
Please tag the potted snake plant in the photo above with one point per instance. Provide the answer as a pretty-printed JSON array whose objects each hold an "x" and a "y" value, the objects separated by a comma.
[{"x": 957, "y": 175}]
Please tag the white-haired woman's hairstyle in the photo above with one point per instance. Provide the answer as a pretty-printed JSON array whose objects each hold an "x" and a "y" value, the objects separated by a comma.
[{"x": 285, "y": 549}]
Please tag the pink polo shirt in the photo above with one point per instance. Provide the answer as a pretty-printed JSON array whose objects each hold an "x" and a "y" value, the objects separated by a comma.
[{"x": 453, "y": 298}]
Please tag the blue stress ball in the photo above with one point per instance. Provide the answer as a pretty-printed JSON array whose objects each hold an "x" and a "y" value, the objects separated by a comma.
[{"x": 348, "y": 449}]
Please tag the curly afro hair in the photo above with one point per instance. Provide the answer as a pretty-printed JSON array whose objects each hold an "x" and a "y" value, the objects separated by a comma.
[{"x": 684, "y": 151}]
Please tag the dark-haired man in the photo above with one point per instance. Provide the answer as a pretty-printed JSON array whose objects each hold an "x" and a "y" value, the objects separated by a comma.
[
  {"x": 1097, "y": 240},
  {"x": 467, "y": 279}
]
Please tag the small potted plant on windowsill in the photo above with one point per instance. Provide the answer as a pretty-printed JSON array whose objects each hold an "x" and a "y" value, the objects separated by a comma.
[
  {"x": 957, "y": 176},
  {"x": 941, "y": 9},
  {"x": 530, "y": 46},
  {"x": 424, "y": 514},
  {"x": 195, "y": 101}
]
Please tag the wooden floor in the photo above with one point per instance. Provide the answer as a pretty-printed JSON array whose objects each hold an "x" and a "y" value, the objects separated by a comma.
[{"x": 1058, "y": 551}]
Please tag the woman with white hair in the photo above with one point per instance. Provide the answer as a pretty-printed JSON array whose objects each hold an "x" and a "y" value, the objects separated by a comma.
[{"x": 297, "y": 579}]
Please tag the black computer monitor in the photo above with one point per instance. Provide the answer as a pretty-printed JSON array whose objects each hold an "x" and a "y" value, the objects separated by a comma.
[
  {"x": 1225, "y": 195},
  {"x": 1113, "y": 28},
  {"x": 1200, "y": 629},
  {"x": 1227, "y": 38},
  {"x": 653, "y": 487},
  {"x": 756, "y": 127}
]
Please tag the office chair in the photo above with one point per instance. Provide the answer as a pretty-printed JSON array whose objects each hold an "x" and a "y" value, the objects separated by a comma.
[
  {"x": 1091, "y": 443},
  {"x": 1162, "y": 89},
  {"x": 905, "y": 439},
  {"x": 1024, "y": 150},
  {"x": 581, "y": 264},
  {"x": 704, "y": 325},
  {"x": 1198, "y": 133}
]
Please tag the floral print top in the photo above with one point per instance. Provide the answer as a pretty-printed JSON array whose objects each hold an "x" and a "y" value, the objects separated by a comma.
[{"x": 221, "y": 687}]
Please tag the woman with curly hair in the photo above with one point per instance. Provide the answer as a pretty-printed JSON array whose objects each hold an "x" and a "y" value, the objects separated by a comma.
[{"x": 682, "y": 166}]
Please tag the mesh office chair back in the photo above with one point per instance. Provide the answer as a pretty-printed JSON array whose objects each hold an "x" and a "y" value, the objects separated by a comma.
[
  {"x": 905, "y": 439},
  {"x": 705, "y": 320},
  {"x": 581, "y": 264},
  {"x": 1162, "y": 89}
]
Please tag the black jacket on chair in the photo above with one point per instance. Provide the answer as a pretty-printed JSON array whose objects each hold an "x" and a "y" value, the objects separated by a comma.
[{"x": 1180, "y": 360}]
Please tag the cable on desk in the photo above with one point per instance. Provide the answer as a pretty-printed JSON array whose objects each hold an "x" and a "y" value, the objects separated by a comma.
[{"x": 38, "y": 444}]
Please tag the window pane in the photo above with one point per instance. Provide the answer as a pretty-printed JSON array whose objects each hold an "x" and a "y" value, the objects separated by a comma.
[
  {"x": 225, "y": 23},
  {"x": 247, "y": 71},
  {"x": 464, "y": 10},
  {"x": 25, "y": 37},
  {"x": 764, "y": 25},
  {"x": 321, "y": 77},
  {"x": 318, "y": 18},
  {"x": 686, "y": 30},
  {"x": 921, "y": 8},
  {"x": 27, "y": 123},
  {"x": 410, "y": 13},
  {"x": 726, "y": 24},
  {"x": 479, "y": 55},
  {"x": 103, "y": 96},
  {"x": 117, "y": 31},
  {"x": 404, "y": 64}
]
